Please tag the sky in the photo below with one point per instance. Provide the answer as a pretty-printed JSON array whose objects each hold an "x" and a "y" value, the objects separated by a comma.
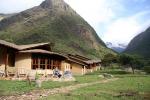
[{"x": 115, "y": 21}]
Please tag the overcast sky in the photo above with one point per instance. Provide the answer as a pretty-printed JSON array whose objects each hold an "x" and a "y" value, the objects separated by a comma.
[{"x": 116, "y": 21}]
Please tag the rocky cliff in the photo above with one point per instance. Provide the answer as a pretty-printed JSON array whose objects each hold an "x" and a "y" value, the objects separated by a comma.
[{"x": 140, "y": 45}]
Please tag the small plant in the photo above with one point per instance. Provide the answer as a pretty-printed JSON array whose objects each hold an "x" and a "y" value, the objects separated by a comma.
[
  {"x": 37, "y": 76},
  {"x": 37, "y": 80}
]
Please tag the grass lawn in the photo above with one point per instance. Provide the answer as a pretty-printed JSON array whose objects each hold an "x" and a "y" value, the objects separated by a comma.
[
  {"x": 19, "y": 87},
  {"x": 127, "y": 84}
]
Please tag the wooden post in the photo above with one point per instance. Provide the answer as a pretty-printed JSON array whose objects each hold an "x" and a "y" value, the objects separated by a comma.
[
  {"x": 6, "y": 63},
  {"x": 84, "y": 70},
  {"x": 59, "y": 65},
  {"x": 52, "y": 65},
  {"x": 46, "y": 61},
  {"x": 91, "y": 68},
  {"x": 39, "y": 63}
]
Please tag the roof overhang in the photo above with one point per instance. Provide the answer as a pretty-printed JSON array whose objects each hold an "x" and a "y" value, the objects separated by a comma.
[
  {"x": 40, "y": 51},
  {"x": 9, "y": 45},
  {"x": 32, "y": 46},
  {"x": 70, "y": 60},
  {"x": 25, "y": 47}
]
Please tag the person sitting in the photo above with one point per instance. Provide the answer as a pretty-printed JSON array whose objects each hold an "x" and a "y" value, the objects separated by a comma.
[{"x": 56, "y": 72}]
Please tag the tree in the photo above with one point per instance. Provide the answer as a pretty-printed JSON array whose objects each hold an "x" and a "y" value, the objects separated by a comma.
[
  {"x": 109, "y": 59},
  {"x": 131, "y": 61}
]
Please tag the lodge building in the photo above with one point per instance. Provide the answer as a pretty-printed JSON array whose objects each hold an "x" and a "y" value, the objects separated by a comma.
[{"x": 33, "y": 58}]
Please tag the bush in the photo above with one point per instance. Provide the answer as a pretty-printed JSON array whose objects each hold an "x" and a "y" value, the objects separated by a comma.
[{"x": 147, "y": 69}]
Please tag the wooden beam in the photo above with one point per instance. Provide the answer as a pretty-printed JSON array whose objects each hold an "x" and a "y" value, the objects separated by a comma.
[
  {"x": 38, "y": 63},
  {"x": 51, "y": 64},
  {"x": 46, "y": 61},
  {"x": 6, "y": 63}
]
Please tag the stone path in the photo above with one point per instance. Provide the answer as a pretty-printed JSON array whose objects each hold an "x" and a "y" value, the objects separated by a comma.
[{"x": 37, "y": 94}]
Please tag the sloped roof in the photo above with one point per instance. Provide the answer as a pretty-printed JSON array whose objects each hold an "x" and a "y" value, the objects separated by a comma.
[
  {"x": 8, "y": 44},
  {"x": 22, "y": 47},
  {"x": 82, "y": 59},
  {"x": 42, "y": 52},
  {"x": 92, "y": 61},
  {"x": 79, "y": 56},
  {"x": 77, "y": 62}
]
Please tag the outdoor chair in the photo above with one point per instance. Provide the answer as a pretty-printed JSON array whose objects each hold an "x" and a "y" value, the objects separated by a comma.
[
  {"x": 22, "y": 72},
  {"x": 48, "y": 73},
  {"x": 2, "y": 73}
]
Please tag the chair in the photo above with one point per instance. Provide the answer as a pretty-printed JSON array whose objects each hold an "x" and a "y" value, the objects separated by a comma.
[
  {"x": 2, "y": 73},
  {"x": 22, "y": 72},
  {"x": 48, "y": 72}
]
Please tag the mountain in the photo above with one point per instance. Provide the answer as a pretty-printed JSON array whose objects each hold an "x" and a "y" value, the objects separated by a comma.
[
  {"x": 116, "y": 47},
  {"x": 2, "y": 16},
  {"x": 56, "y": 22},
  {"x": 140, "y": 45}
]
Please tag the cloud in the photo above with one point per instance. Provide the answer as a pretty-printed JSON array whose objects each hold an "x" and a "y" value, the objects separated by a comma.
[
  {"x": 94, "y": 11},
  {"x": 13, "y": 6},
  {"x": 124, "y": 29},
  {"x": 114, "y": 20}
]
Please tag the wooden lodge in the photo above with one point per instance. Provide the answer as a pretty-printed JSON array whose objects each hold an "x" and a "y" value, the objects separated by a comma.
[
  {"x": 82, "y": 65},
  {"x": 18, "y": 60}
]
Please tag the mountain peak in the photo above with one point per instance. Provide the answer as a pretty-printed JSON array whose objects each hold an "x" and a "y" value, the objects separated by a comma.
[
  {"x": 46, "y": 4},
  {"x": 118, "y": 47},
  {"x": 51, "y": 3},
  {"x": 50, "y": 21}
]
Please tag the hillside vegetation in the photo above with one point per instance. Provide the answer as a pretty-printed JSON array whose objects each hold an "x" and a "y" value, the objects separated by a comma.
[
  {"x": 140, "y": 45},
  {"x": 56, "y": 22}
]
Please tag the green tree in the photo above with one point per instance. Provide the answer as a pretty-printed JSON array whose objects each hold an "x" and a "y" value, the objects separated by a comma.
[
  {"x": 109, "y": 59},
  {"x": 130, "y": 61}
]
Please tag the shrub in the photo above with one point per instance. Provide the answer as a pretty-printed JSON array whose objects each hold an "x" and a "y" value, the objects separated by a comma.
[{"x": 147, "y": 69}]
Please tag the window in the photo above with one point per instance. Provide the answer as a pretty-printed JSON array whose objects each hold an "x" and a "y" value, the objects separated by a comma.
[
  {"x": 34, "y": 63},
  {"x": 49, "y": 64},
  {"x": 45, "y": 63},
  {"x": 56, "y": 63},
  {"x": 42, "y": 63}
]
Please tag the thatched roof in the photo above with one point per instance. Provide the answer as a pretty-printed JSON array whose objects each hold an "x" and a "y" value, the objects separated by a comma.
[
  {"x": 77, "y": 62},
  {"x": 8, "y": 44},
  {"x": 82, "y": 59},
  {"x": 23, "y": 47},
  {"x": 92, "y": 61},
  {"x": 79, "y": 56},
  {"x": 76, "y": 59},
  {"x": 30, "y": 46},
  {"x": 40, "y": 51}
]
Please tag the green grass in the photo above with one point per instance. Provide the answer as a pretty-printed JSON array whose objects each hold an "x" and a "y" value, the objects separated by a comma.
[
  {"x": 14, "y": 87},
  {"x": 127, "y": 83},
  {"x": 87, "y": 78},
  {"x": 19, "y": 87},
  {"x": 105, "y": 91}
]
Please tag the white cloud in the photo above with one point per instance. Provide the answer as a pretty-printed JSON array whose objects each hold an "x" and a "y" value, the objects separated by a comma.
[
  {"x": 106, "y": 13},
  {"x": 94, "y": 11},
  {"x": 11, "y": 6},
  {"x": 124, "y": 29},
  {"x": 103, "y": 15}
]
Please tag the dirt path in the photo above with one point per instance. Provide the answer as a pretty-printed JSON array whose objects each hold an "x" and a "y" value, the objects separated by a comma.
[{"x": 36, "y": 94}]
